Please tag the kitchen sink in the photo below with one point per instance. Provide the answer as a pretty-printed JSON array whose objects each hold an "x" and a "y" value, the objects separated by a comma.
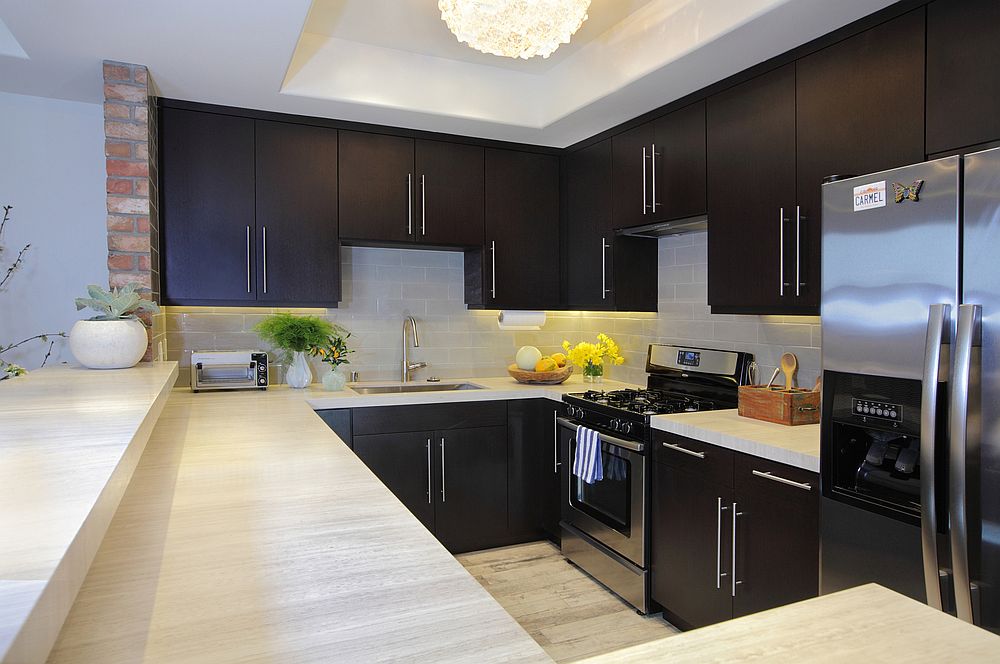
[{"x": 413, "y": 387}]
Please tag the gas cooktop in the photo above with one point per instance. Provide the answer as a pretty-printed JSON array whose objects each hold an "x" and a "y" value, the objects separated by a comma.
[{"x": 645, "y": 402}]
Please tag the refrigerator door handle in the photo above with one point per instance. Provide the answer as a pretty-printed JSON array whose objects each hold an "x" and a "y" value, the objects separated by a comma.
[
  {"x": 966, "y": 337},
  {"x": 938, "y": 320}
]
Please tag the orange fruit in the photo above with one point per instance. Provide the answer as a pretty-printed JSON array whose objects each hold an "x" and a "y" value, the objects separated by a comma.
[{"x": 546, "y": 364}]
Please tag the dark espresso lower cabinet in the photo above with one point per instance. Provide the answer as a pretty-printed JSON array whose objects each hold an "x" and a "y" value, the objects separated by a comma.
[
  {"x": 732, "y": 534},
  {"x": 398, "y": 459}
]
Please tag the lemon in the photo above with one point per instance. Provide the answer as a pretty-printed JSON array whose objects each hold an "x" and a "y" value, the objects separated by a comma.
[
  {"x": 546, "y": 364},
  {"x": 560, "y": 359}
]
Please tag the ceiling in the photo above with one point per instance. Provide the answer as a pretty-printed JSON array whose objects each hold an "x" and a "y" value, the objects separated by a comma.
[{"x": 395, "y": 62}]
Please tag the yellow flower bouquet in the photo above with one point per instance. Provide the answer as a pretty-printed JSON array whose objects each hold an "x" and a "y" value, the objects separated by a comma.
[{"x": 591, "y": 356}]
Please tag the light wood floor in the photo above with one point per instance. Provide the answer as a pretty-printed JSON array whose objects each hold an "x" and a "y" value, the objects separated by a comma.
[{"x": 569, "y": 614}]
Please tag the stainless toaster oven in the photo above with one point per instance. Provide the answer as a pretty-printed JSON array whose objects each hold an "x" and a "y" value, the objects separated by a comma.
[{"x": 228, "y": 370}]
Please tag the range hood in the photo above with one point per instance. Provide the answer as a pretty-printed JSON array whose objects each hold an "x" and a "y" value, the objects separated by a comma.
[{"x": 663, "y": 228}]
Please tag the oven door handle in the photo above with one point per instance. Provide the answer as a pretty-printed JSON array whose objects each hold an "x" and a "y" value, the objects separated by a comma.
[{"x": 632, "y": 445}]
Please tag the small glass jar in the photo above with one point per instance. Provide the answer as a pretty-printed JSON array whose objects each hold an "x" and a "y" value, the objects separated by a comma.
[
  {"x": 334, "y": 380},
  {"x": 593, "y": 373}
]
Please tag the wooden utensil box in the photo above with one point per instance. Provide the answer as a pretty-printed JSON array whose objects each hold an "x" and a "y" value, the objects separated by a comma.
[{"x": 779, "y": 405}]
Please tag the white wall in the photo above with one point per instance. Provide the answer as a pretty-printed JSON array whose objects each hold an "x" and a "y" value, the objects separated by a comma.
[{"x": 52, "y": 172}]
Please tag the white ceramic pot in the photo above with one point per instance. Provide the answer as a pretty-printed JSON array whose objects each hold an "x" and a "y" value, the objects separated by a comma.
[
  {"x": 108, "y": 344},
  {"x": 299, "y": 374}
]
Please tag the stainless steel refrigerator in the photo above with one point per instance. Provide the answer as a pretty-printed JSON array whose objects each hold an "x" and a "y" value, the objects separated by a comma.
[{"x": 910, "y": 444}]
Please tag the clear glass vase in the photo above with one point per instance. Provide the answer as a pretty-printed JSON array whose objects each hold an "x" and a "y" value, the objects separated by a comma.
[
  {"x": 593, "y": 373},
  {"x": 334, "y": 380}
]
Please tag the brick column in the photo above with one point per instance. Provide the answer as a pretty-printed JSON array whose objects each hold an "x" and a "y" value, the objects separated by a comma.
[{"x": 130, "y": 149}]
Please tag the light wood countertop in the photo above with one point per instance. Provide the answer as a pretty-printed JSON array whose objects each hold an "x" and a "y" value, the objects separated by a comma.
[
  {"x": 69, "y": 441},
  {"x": 796, "y": 446},
  {"x": 250, "y": 532},
  {"x": 864, "y": 624}
]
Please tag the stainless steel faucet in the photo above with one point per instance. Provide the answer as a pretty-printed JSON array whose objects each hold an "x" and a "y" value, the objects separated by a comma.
[{"x": 407, "y": 366}]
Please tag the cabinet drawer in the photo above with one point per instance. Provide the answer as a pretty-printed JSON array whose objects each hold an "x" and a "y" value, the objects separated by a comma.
[
  {"x": 769, "y": 479},
  {"x": 712, "y": 463},
  {"x": 429, "y": 417}
]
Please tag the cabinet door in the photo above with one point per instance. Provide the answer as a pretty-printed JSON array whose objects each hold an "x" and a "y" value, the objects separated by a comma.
[
  {"x": 207, "y": 215},
  {"x": 404, "y": 462},
  {"x": 846, "y": 128},
  {"x": 471, "y": 479},
  {"x": 376, "y": 187},
  {"x": 963, "y": 88},
  {"x": 679, "y": 138},
  {"x": 586, "y": 207},
  {"x": 691, "y": 542},
  {"x": 631, "y": 176},
  {"x": 777, "y": 535},
  {"x": 451, "y": 186},
  {"x": 297, "y": 215},
  {"x": 751, "y": 194},
  {"x": 533, "y": 471},
  {"x": 522, "y": 230}
]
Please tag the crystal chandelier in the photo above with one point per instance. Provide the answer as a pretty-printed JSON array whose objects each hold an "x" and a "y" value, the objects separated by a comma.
[{"x": 514, "y": 28}]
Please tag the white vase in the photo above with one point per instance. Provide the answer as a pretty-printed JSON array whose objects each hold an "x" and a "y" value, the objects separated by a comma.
[
  {"x": 108, "y": 344},
  {"x": 299, "y": 374},
  {"x": 334, "y": 380}
]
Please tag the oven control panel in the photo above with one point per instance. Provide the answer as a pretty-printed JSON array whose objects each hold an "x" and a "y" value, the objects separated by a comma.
[{"x": 877, "y": 409}]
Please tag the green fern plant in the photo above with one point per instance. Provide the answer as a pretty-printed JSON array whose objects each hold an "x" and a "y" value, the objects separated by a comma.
[
  {"x": 294, "y": 333},
  {"x": 116, "y": 305}
]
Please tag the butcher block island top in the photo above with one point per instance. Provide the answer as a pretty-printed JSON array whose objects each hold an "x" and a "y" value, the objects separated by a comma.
[{"x": 251, "y": 532}]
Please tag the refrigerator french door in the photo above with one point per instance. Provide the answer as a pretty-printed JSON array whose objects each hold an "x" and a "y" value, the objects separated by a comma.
[{"x": 910, "y": 451}]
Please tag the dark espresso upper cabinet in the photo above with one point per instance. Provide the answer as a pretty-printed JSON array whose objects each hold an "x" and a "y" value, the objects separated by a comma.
[
  {"x": 659, "y": 169},
  {"x": 296, "y": 204},
  {"x": 249, "y": 211},
  {"x": 397, "y": 190},
  {"x": 520, "y": 263},
  {"x": 631, "y": 176},
  {"x": 680, "y": 164},
  {"x": 846, "y": 125},
  {"x": 376, "y": 188},
  {"x": 587, "y": 232},
  {"x": 751, "y": 194},
  {"x": 963, "y": 86},
  {"x": 207, "y": 207},
  {"x": 450, "y": 193}
]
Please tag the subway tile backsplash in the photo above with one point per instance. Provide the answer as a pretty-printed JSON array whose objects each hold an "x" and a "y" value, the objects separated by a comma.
[{"x": 380, "y": 286}]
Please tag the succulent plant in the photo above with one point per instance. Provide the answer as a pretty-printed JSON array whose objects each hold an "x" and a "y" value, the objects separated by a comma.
[{"x": 118, "y": 304}]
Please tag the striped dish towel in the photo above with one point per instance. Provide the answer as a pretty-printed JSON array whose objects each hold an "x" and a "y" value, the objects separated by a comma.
[{"x": 587, "y": 460}]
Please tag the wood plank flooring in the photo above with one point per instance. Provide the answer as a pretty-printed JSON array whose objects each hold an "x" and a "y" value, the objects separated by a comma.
[{"x": 569, "y": 614}]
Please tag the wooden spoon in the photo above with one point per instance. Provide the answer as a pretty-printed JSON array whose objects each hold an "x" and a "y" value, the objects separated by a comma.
[{"x": 789, "y": 365}]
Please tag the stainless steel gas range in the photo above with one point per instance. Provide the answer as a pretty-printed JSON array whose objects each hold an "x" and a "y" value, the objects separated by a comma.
[{"x": 605, "y": 525}]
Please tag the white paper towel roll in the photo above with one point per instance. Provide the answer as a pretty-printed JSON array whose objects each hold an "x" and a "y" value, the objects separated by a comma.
[{"x": 521, "y": 320}]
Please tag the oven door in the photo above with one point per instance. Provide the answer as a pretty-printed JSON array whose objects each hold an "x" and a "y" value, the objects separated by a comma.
[{"x": 613, "y": 510}]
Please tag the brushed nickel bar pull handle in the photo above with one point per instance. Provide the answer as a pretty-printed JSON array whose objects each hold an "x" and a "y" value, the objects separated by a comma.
[
  {"x": 937, "y": 318},
  {"x": 493, "y": 281},
  {"x": 732, "y": 574},
  {"x": 719, "y": 509},
  {"x": 604, "y": 268},
  {"x": 555, "y": 442},
  {"x": 423, "y": 207},
  {"x": 652, "y": 160},
  {"x": 684, "y": 450},
  {"x": 644, "y": 204},
  {"x": 248, "y": 260},
  {"x": 442, "y": 471},
  {"x": 969, "y": 316},
  {"x": 798, "y": 249},
  {"x": 409, "y": 203},
  {"x": 781, "y": 252},
  {"x": 264, "y": 234},
  {"x": 777, "y": 478},
  {"x": 428, "y": 471}
]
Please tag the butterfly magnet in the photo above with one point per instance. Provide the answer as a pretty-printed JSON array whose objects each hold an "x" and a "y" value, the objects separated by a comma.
[{"x": 907, "y": 193}]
